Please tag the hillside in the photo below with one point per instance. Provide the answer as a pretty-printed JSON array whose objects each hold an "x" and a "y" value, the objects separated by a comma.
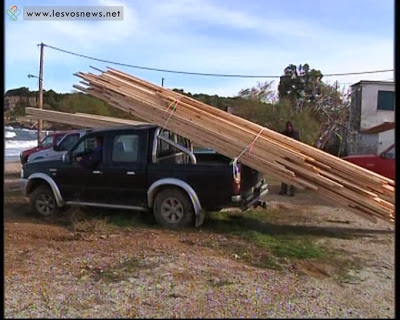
[
  {"x": 270, "y": 115},
  {"x": 64, "y": 102}
]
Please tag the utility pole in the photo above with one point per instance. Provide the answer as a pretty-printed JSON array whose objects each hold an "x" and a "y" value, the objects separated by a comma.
[
  {"x": 40, "y": 122},
  {"x": 162, "y": 82}
]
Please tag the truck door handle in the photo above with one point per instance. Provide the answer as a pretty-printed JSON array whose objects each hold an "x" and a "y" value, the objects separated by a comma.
[
  {"x": 97, "y": 172},
  {"x": 53, "y": 170},
  {"x": 130, "y": 173}
]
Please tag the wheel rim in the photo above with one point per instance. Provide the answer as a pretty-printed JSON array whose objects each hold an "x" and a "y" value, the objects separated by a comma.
[
  {"x": 45, "y": 204},
  {"x": 172, "y": 210}
]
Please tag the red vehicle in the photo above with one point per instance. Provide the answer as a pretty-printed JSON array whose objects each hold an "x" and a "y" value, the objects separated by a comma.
[
  {"x": 383, "y": 164},
  {"x": 49, "y": 141}
]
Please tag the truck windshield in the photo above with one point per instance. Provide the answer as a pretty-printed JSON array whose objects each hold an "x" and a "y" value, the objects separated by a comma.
[{"x": 48, "y": 141}]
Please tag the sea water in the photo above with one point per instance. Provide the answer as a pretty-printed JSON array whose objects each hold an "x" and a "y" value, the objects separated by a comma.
[{"x": 17, "y": 140}]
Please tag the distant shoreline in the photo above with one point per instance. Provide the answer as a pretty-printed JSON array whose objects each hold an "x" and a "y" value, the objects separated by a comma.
[{"x": 31, "y": 125}]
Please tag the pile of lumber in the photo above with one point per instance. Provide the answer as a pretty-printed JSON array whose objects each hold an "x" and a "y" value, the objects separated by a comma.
[
  {"x": 365, "y": 193},
  {"x": 77, "y": 119}
]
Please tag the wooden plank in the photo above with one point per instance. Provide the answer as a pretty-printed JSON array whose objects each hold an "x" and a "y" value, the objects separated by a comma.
[
  {"x": 84, "y": 120},
  {"x": 342, "y": 164},
  {"x": 288, "y": 160}
]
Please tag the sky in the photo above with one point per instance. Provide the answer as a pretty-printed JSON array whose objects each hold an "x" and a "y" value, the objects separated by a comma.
[{"x": 254, "y": 37}]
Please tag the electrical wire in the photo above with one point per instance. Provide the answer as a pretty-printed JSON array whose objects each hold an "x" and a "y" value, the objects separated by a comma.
[{"x": 200, "y": 73}]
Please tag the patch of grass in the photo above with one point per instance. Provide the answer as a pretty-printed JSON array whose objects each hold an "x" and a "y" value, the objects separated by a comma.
[
  {"x": 346, "y": 267},
  {"x": 83, "y": 220},
  {"x": 296, "y": 247},
  {"x": 98, "y": 220},
  {"x": 131, "y": 220},
  {"x": 254, "y": 227},
  {"x": 270, "y": 262},
  {"x": 347, "y": 278}
]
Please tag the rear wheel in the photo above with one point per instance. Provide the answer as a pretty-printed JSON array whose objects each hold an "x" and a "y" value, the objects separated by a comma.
[
  {"x": 43, "y": 201},
  {"x": 173, "y": 209}
]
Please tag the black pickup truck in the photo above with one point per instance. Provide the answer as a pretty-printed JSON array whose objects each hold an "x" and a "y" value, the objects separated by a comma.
[{"x": 143, "y": 168}]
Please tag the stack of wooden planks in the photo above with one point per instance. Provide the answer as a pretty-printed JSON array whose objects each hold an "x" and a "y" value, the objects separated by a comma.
[
  {"x": 365, "y": 193},
  {"x": 78, "y": 119}
]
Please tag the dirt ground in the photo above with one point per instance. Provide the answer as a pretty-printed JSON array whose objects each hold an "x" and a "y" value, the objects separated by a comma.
[{"x": 88, "y": 268}]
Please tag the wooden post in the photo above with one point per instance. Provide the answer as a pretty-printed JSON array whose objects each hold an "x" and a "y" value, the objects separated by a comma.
[
  {"x": 162, "y": 82},
  {"x": 40, "y": 122}
]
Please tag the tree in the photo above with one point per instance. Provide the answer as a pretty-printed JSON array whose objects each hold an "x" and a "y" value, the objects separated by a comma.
[
  {"x": 300, "y": 84},
  {"x": 332, "y": 110},
  {"x": 22, "y": 92},
  {"x": 262, "y": 92},
  {"x": 18, "y": 110}
]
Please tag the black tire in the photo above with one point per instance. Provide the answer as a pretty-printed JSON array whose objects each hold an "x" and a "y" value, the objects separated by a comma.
[
  {"x": 182, "y": 213},
  {"x": 43, "y": 202}
]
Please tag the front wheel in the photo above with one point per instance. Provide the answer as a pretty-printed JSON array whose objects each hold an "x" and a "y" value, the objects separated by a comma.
[
  {"x": 173, "y": 209},
  {"x": 43, "y": 201}
]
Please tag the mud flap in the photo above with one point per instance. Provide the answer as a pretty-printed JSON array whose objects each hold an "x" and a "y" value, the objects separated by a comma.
[{"x": 200, "y": 218}]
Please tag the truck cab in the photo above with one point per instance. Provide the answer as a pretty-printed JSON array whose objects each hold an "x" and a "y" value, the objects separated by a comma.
[{"x": 143, "y": 168}]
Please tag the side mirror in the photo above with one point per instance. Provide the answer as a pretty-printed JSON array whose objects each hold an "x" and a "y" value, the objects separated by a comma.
[{"x": 66, "y": 158}]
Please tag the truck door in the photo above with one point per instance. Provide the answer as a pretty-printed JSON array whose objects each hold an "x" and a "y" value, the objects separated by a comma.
[
  {"x": 77, "y": 183},
  {"x": 125, "y": 169}
]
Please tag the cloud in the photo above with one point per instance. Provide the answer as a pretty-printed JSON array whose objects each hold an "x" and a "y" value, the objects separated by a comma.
[{"x": 73, "y": 35}]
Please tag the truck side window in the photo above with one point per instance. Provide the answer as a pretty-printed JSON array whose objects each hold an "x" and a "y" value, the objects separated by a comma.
[
  {"x": 168, "y": 153},
  {"x": 125, "y": 148},
  {"x": 85, "y": 145},
  {"x": 164, "y": 147}
]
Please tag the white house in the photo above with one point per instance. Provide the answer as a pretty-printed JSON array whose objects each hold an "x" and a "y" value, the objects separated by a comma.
[{"x": 372, "y": 110}]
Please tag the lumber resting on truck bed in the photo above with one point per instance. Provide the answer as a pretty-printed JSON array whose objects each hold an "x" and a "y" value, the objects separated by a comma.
[{"x": 365, "y": 193}]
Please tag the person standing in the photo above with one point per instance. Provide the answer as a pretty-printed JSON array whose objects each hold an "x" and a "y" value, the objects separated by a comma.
[{"x": 294, "y": 134}]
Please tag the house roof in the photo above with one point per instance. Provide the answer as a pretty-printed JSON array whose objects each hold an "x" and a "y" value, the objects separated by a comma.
[
  {"x": 373, "y": 82},
  {"x": 385, "y": 126}
]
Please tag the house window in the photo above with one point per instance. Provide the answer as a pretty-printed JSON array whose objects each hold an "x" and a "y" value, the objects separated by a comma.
[{"x": 386, "y": 100}]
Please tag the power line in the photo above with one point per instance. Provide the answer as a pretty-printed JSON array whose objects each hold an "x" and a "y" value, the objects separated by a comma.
[{"x": 200, "y": 73}]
